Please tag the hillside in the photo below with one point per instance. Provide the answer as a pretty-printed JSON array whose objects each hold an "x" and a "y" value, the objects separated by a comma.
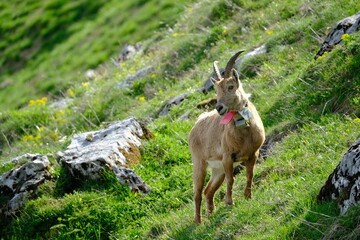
[{"x": 310, "y": 110}]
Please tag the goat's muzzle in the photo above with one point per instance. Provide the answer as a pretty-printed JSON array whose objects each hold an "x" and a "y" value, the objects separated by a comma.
[{"x": 221, "y": 109}]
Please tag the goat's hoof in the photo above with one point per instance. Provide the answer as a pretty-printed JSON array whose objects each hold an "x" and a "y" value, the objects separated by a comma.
[
  {"x": 210, "y": 211},
  {"x": 247, "y": 196}
]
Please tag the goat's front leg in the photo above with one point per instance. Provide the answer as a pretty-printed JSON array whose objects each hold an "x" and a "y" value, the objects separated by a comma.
[{"x": 228, "y": 168}]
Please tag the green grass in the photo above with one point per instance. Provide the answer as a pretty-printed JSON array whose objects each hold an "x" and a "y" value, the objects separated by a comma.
[
  {"x": 48, "y": 45},
  {"x": 316, "y": 103}
]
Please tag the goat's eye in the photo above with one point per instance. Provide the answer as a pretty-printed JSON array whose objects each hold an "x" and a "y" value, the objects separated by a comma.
[{"x": 231, "y": 87}]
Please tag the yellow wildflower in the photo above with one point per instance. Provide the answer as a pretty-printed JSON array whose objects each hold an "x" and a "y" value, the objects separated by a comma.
[
  {"x": 60, "y": 119},
  {"x": 357, "y": 120},
  {"x": 142, "y": 98},
  {"x": 56, "y": 134},
  {"x": 85, "y": 84},
  {"x": 41, "y": 101},
  {"x": 345, "y": 37},
  {"x": 27, "y": 138},
  {"x": 59, "y": 113},
  {"x": 71, "y": 92},
  {"x": 269, "y": 32},
  {"x": 323, "y": 56},
  {"x": 153, "y": 75},
  {"x": 31, "y": 102}
]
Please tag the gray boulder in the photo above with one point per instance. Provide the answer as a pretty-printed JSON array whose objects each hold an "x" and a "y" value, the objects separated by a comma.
[
  {"x": 348, "y": 25},
  {"x": 343, "y": 185},
  {"x": 21, "y": 183},
  {"x": 61, "y": 103},
  {"x": 127, "y": 52},
  {"x": 91, "y": 74},
  {"x": 128, "y": 81},
  {"x": 172, "y": 102},
  {"x": 113, "y": 148}
]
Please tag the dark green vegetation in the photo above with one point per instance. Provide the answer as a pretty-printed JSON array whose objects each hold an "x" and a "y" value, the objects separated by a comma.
[{"x": 316, "y": 103}]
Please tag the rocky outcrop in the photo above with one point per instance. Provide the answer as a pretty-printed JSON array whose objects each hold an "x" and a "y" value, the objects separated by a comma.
[
  {"x": 207, "y": 104},
  {"x": 114, "y": 148},
  {"x": 127, "y": 52},
  {"x": 348, "y": 25},
  {"x": 20, "y": 184},
  {"x": 127, "y": 82},
  {"x": 91, "y": 74},
  {"x": 61, "y": 103},
  {"x": 343, "y": 185},
  {"x": 172, "y": 102}
]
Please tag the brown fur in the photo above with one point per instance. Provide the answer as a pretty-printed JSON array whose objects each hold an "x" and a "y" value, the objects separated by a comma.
[{"x": 223, "y": 145}]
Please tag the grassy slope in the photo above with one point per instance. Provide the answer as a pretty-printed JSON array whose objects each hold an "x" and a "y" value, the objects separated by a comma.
[
  {"x": 46, "y": 45},
  {"x": 320, "y": 99}
]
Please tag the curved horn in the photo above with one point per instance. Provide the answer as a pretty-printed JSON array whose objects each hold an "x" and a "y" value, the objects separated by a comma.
[
  {"x": 231, "y": 63},
  {"x": 216, "y": 70}
]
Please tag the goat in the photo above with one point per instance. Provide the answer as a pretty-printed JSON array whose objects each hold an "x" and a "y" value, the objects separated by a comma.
[{"x": 224, "y": 143}]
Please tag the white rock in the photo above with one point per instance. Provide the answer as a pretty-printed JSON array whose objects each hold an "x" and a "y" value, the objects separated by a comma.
[
  {"x": 343, "y": 185},
  {"x": 113, "y": 148},
  {"x": 21, "y": 182}
]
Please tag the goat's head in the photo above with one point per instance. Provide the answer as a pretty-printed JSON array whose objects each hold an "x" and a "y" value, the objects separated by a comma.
[{"x": 230, "y": 94}]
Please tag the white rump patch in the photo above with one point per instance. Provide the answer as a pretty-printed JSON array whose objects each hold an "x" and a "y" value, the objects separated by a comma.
[
  {"x": 218, "y": 164},
  {"x": 215, "y": 164}
]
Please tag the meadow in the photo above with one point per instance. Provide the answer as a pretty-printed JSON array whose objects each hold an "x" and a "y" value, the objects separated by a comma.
[{"x": 311, "y": 106}]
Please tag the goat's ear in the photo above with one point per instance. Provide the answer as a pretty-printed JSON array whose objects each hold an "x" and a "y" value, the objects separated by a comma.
[{"x": 236, "y": 76}]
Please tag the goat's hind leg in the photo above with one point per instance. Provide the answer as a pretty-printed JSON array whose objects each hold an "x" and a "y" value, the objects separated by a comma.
[
  {"x": 199, "y": 174},
  {"x": 217, "y": 178},
  {"x": 250, "y": 164}
]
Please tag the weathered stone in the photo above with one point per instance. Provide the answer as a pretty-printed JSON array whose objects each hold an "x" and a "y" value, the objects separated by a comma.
[
  {"x": 7, "y": 82},
  {"x": 127, "y": 52},
  {"x": 343, "y": 185},
  {"x": 127, "y": 82},
  {"x": 208, "y": 104},
  {"x": 91, "y": 74},
  {"x": 19, "y": 184},
  {"x": 347, "y": 25},
  {"x": 114, "y": 148},
  {"x": 209, "y": 85},
  {"x": 61, "y": 103},
  {"x": 172, "y": 102}
]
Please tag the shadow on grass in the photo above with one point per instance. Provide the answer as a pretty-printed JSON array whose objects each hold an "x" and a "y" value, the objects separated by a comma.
[
  {"x": 320, "y": 222},
  {"x": 208, "y": 229}
]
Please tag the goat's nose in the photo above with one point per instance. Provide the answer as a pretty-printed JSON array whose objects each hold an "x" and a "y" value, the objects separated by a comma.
[{"x": 221, "y": 109}]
